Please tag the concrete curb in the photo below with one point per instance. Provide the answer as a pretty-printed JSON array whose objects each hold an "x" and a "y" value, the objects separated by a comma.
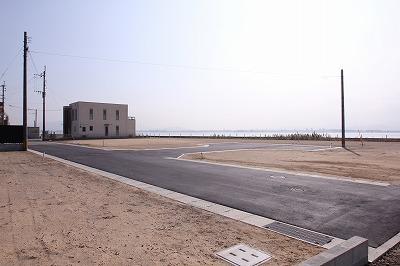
[
  {"x": 222, "y": 210},
  {"x": 376, "y": 253},
  {"x": 245, "y": 217},
  {"x": 352, "y": 252}
]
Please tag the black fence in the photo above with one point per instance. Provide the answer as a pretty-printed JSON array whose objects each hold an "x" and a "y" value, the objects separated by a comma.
[{"x": 11, "y": 134}]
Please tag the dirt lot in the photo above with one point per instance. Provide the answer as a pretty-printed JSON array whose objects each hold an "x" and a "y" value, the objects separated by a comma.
[
  {"x": 374, "y": 161},
  {"x": 159, "y": 143},
  {"x": 146, "y": 143},
  {"x": 52, "y": 214}
]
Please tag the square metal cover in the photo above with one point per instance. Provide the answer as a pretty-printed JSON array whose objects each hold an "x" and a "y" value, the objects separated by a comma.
[{"x": 243, "y": 255}]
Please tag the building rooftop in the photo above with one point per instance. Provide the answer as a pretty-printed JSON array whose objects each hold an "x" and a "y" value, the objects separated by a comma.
[{"x": 99, "y": 103}]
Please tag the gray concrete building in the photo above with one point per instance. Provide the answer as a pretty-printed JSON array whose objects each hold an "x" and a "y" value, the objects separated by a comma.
[{"x": 97, "y": 120}]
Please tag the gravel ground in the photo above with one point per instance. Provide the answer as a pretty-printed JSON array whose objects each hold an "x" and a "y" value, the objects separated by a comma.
[{"x": 390, "y": 258}]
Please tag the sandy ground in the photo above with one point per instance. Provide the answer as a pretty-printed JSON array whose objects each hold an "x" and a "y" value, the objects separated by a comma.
[
  {"x": 374, "y": 161},
  {"x": 53, "y": 214},
  {"x": 146, "y": 143},
  {"x": 159, "y": 143}
]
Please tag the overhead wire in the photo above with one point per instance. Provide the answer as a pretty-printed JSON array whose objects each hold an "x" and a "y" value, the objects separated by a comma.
[
  {"x": 174, "y": 65},
  {"x": 33, "y": 62},
  {"x": 20, "y": 107},
  {"x": 11, "y": 63}
]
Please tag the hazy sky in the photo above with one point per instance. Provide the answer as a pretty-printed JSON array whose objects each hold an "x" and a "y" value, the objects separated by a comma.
[{"x": 213, "y": 64}]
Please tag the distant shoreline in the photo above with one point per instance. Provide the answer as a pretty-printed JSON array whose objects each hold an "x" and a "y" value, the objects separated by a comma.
[
  {"x": 277, "y": 138},
  {"x": 279, "y": 134}
]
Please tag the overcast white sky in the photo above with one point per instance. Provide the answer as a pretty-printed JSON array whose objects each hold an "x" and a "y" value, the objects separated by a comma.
[{"x": 251, "y": 64}]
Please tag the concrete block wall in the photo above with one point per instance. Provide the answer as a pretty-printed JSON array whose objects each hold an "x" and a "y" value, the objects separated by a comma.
[{"x": 352, "y": 252}]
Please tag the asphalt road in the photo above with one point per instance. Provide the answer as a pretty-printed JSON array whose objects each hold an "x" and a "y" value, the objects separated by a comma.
[{"x": 338, "y": 208}]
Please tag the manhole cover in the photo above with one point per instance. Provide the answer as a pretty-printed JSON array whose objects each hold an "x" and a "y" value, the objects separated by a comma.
[
  {"x": 299, "y": 233},
  {"x": 297, "y": 189},
  {"x": 243, "y": 255}
]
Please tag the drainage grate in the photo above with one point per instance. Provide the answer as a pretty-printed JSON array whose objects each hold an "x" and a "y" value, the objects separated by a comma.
[
  {"x": 243, "y": 255},
  {"x": 299, "y": 233}
]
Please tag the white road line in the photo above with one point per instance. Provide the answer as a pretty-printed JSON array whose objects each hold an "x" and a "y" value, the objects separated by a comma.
[
  {"x": 157, "y": 149},
  {"x": 122, "y": 149},
  {"x": 325, "y": 149},
  {"x": 245, "y": 217},
  {"x": 346, "y": 179},
  {"x": 219, "y": 209},
  {"x": 256, "y": 149}
]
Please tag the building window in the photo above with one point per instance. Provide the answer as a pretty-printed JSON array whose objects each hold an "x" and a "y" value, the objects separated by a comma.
[
  {"x": 91, "y": 128},
  {"x": 117, "y": 115},
  {"x": 83, "y": 129},
  {"x": 74, "y": 128},
  {"x": 117, "y": 130},
  {"x": 91, "y": 114},
  {"x": 104, "y": 114}
]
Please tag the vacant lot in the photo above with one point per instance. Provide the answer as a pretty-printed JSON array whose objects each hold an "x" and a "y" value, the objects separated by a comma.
[
  {"x": 52, "y": 214},
  {"x": 373, "y": 161},
  {"x": 145, "y": 143},
  {"x": 159, "y": 143}
]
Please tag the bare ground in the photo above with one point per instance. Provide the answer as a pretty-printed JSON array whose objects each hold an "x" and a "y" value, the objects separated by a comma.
[
  {"x": 145, "y": 143},
  {"x": 159, "y": 143},
  {"x": 378, "y": 161},
  {"x": 53, "y": 214}
]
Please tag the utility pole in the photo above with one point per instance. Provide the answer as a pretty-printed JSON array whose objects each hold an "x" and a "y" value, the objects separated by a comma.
[
  {"x": 3, "y": 102},
  {"x": 44, "y": 104},
  {"x": 43, "y": 92},
  {"x": 343, "y": 122},
  {"x": 25, "y": 96},
  {"x": 35, "y": 122}
]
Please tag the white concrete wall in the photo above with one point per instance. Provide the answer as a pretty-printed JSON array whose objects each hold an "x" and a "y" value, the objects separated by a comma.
[
  {"x": 98, "y": 123},
  {"x": 132, "y": 127}
]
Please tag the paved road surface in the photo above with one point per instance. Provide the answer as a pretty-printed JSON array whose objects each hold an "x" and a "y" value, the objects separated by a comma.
[{"x": 338, "y": 208}]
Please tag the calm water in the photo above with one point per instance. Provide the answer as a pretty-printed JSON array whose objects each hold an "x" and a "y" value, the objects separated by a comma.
[{"x": 261, "y": 133}]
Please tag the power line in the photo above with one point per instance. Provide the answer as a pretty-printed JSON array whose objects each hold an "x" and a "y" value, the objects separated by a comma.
[
  {"x": 172, "y": 65},
  {"x": 47, "y": 110},
  {"x": 10, "y": 64},
  {"x": 32, "y": 61}
]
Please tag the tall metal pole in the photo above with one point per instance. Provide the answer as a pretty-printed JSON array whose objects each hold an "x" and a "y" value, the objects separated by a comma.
[
  {"x": 2, "y": 101},
  {"x": 25, "y": 96},
  {"x": 44, "y": 104},
  {"x": 343, "y": 121}
]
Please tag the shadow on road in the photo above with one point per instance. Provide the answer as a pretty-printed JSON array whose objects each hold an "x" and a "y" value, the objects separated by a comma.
[{"x": 347, "y": 149}]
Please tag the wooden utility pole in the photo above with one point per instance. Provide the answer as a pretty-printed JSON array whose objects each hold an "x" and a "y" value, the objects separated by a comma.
[
  {"x": 35, "y": 124},
  {"x": 25, "y": 96},
  {"x": 44, "y": 104},
  {"x": 43, "y": 93},
  {"x": 3, "y": 106},
  {"x": 343, "y": 121}
]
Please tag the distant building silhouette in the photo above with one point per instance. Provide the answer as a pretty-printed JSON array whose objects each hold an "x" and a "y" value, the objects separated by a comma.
[{"x": 97, "y": 120}]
